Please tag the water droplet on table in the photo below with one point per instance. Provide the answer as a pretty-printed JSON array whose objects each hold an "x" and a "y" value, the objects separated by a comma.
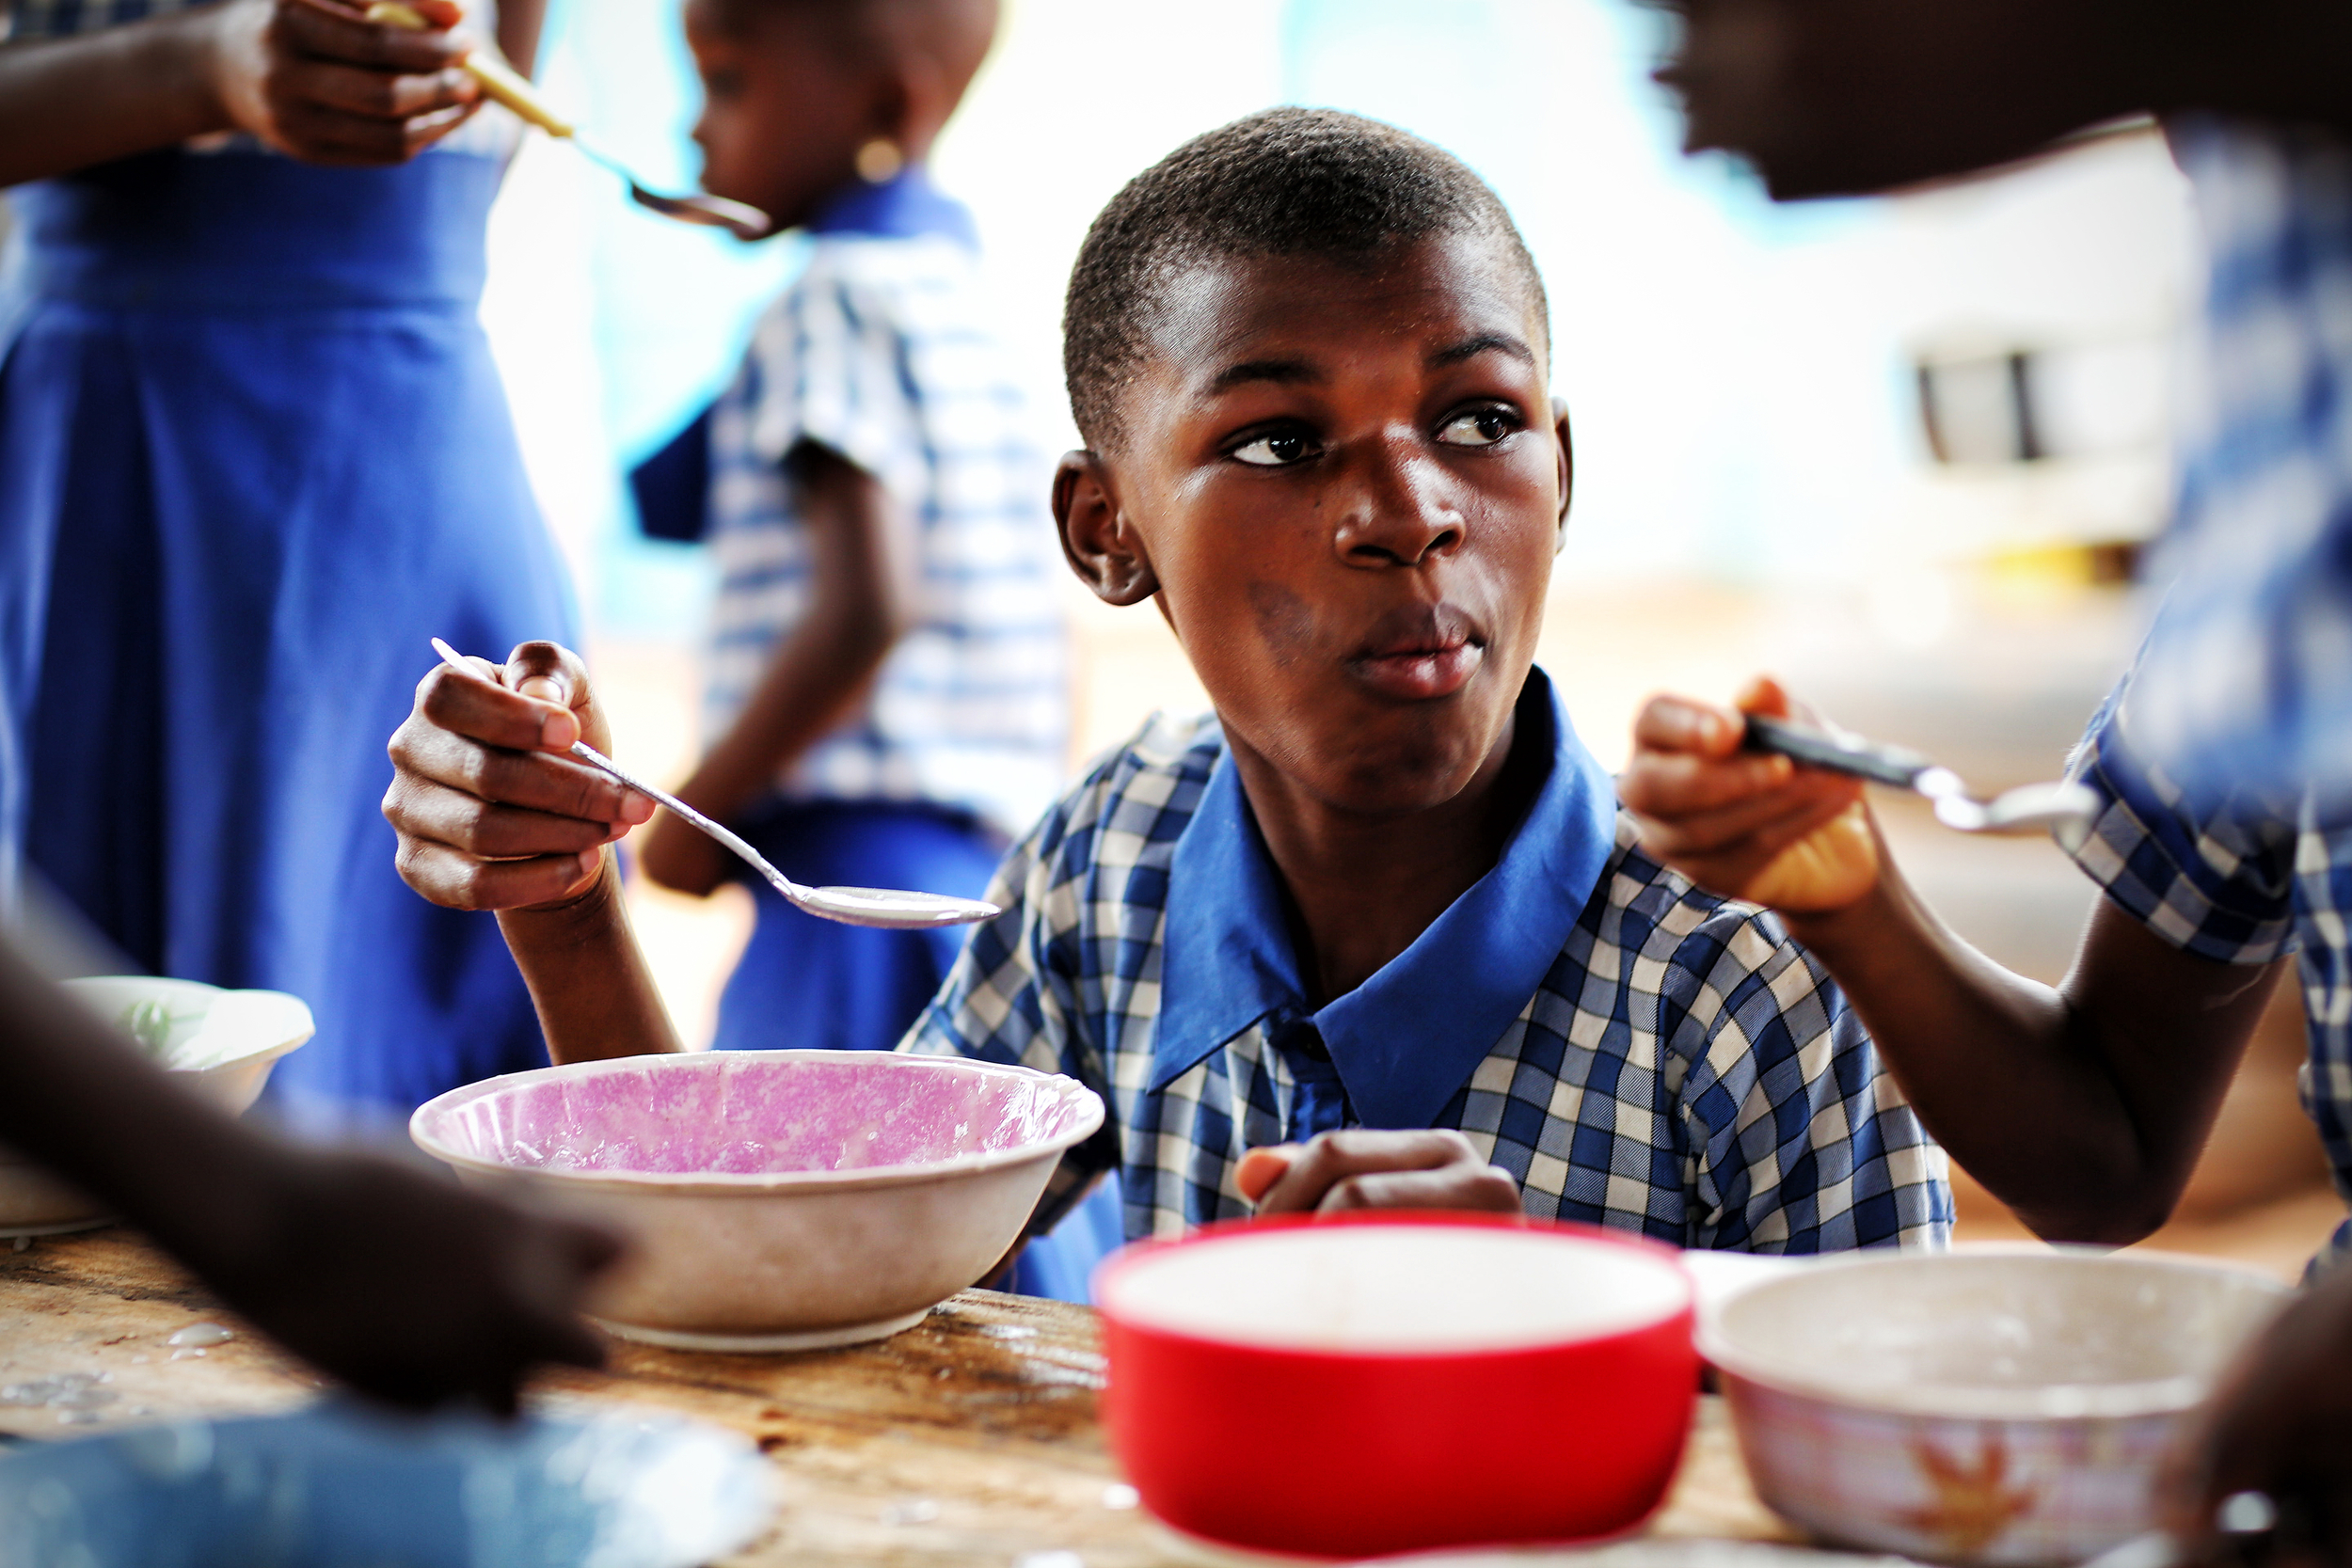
[
  {"x": 197, "y": 1336},
  {"x": 910, "y": 1511},
  {"x": 1120, "y": 1496}
]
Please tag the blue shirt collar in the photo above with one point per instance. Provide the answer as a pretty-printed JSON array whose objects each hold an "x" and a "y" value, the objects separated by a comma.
[
  {"x": 1408, "y": 1038},
  {"x": 904, "y": 207}
]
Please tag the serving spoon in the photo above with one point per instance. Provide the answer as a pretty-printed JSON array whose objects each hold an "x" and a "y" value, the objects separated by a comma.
[
  {"x": 503, "y": 83},
  {"x": 886, "y": 908},
  {"x": 2062, "y": 807}
]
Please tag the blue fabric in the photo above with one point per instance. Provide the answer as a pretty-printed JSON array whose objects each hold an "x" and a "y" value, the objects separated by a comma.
[
  {"x": 906, "y": 207},
  {"x": 810, "y": 984},
  {"x": 254, "y": 453},
  {"x": 672, "y": 488},
  {"x": 2247, "y": 679},
  {"x": 1405, "y": 1039},
  {"x": 1678, "y": 1067}
]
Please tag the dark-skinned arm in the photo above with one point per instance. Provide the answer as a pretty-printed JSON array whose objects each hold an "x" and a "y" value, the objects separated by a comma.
[
  {"x": 2082, "y": 1107},
  {"x": 311, "y": 78},
  {"x": 493, "y": 814},
  {"x": 861, "y": 555},
  {"x": 1845, "y": 97},
  {"x": 313, "y": 1246}
]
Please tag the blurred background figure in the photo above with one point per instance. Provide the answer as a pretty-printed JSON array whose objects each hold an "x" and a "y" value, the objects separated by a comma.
[{"x": 254, "y": 453}]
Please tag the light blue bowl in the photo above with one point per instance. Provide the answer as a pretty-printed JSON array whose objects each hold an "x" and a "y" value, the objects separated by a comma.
[{"x": 341, "y": 1487}]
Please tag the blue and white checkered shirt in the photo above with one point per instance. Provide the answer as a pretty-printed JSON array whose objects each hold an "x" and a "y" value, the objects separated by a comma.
[
  {"x": 882, "y": 351},
  {"x": 1635, "y": 1053},
  {"x": 2245, "y": 881},
  {"x": 2247, "y": 678}
]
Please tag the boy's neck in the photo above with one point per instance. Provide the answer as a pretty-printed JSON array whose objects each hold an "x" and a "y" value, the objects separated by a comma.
[{"x": 1362, "y": 888}]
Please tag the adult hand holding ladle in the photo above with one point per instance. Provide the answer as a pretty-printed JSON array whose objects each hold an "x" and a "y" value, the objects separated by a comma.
[
  {"x": 886, "y": 908},
  {"x": 501, "y": 82}
]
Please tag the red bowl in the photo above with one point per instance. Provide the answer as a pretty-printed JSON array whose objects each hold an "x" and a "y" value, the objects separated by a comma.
[{"x": 1386, "y": 1382}]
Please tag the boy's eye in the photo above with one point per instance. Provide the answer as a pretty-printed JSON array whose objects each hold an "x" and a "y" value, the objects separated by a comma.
[
  {"x": 1480, "y": 427},
  {"x": 1276, "y": 451}
]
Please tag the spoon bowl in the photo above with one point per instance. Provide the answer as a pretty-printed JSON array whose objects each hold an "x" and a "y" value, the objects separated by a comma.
[{"x": 2063, "y": 808}]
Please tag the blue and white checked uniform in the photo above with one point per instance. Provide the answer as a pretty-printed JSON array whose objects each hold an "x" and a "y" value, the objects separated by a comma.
[
  {"x": 1635, "y": 1053},
  {"x": 2247, "y": 678},
  {"x": 2245, "y": 880},
  {"x": 882, "y": 351}
]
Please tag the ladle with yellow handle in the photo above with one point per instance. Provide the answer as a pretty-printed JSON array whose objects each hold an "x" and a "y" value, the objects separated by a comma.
[
  {"x": 887, "y": 907},
  {"x": 500, "y": 82}
]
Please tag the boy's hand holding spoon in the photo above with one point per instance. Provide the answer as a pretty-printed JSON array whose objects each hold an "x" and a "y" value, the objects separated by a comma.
[{"x": 492, "y": 812}]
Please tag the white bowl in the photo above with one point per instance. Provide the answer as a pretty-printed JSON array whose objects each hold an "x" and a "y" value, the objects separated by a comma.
[
  {"x": 222, "y": 1042},
  {"x": 1997, "y": 1405},
  {"x": 778, "y": 1200}
]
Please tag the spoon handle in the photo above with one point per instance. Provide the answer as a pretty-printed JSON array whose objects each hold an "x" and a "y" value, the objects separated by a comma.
[
  {"x": 1862, "y": 759},
  {"x": 595, "y": 759},
  {"x": 496, "y": 78}
]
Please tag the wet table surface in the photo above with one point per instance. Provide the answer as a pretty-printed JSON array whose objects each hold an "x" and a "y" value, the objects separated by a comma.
[{"x": 969, "y": 1440}]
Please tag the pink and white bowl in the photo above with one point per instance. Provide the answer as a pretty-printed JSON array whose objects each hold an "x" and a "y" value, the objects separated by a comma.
[
  {"x": 2000, "y": 1405},
  {"x": 777, "y": 1199}
]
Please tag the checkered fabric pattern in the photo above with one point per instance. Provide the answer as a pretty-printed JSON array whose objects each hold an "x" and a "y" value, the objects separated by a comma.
[
  {"x": 1684, "y": 1069},
  {"x": 2248, "y": 675},
  {"x": 880, "y": 352},
  {"x": 2244, "y": 881}
]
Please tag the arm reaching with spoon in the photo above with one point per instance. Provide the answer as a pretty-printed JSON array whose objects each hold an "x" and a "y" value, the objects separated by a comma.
[
  {"x": 493, "y": 814},
  {"x": 2083, "y": 1105},
  {"x": 311, "y": 78}
]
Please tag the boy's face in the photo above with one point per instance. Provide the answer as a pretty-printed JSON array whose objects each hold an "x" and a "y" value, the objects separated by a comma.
[
  {"x": 784, "y": 112},
  {"x": 1345, "y": 484}
]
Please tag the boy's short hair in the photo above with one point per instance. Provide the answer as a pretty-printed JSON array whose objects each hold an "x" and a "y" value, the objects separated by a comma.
[{"x": 1281, "y": 182}]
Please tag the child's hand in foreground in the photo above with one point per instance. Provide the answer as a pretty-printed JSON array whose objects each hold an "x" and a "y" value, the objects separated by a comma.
[
  {"x": 2279, "y": 1424},
  {"x": 407, "y": 1288},
  {"x": 1363, "y": 1168},
  {"x": 491, "y": 814},
  {"x": 1740, "y": 823}
]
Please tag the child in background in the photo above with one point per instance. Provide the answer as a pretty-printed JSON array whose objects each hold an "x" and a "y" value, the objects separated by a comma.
[
  {"x": 887, "y": 688},
  {"x": 887, "y": 694},
  {"x": 1377, "y": 933}
]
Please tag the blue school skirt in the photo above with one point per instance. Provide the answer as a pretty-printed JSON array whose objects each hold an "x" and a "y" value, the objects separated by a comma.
[
  {"x": 811, "y": 984},
  {"x": 254, "y": 453}
]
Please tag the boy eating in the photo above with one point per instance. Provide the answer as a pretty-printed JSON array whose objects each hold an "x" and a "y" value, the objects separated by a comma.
[{"x": 1377, "y": 933}]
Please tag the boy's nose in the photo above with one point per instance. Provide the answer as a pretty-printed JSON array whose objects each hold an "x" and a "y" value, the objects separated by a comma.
[{"x": 1401, "y": 510}]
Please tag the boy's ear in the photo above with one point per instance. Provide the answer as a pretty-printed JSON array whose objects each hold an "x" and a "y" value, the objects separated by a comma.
[
  {"x": 1095, "y": 537},
  {"x": 1568, "y": 459}
]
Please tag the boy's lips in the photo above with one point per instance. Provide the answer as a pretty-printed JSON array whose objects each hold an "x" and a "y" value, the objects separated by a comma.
[{"x": 1423, "y": 652}]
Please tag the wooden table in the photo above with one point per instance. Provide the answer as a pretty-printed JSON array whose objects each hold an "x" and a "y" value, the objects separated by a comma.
[{"x": 969, "y": 1440}]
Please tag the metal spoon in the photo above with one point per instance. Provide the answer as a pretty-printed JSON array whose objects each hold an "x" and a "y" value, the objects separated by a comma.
[
  {"x": 887, "y": 907},
  {"x": 2062, "y": 807},
  {"x": 503, "y": 83}
]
